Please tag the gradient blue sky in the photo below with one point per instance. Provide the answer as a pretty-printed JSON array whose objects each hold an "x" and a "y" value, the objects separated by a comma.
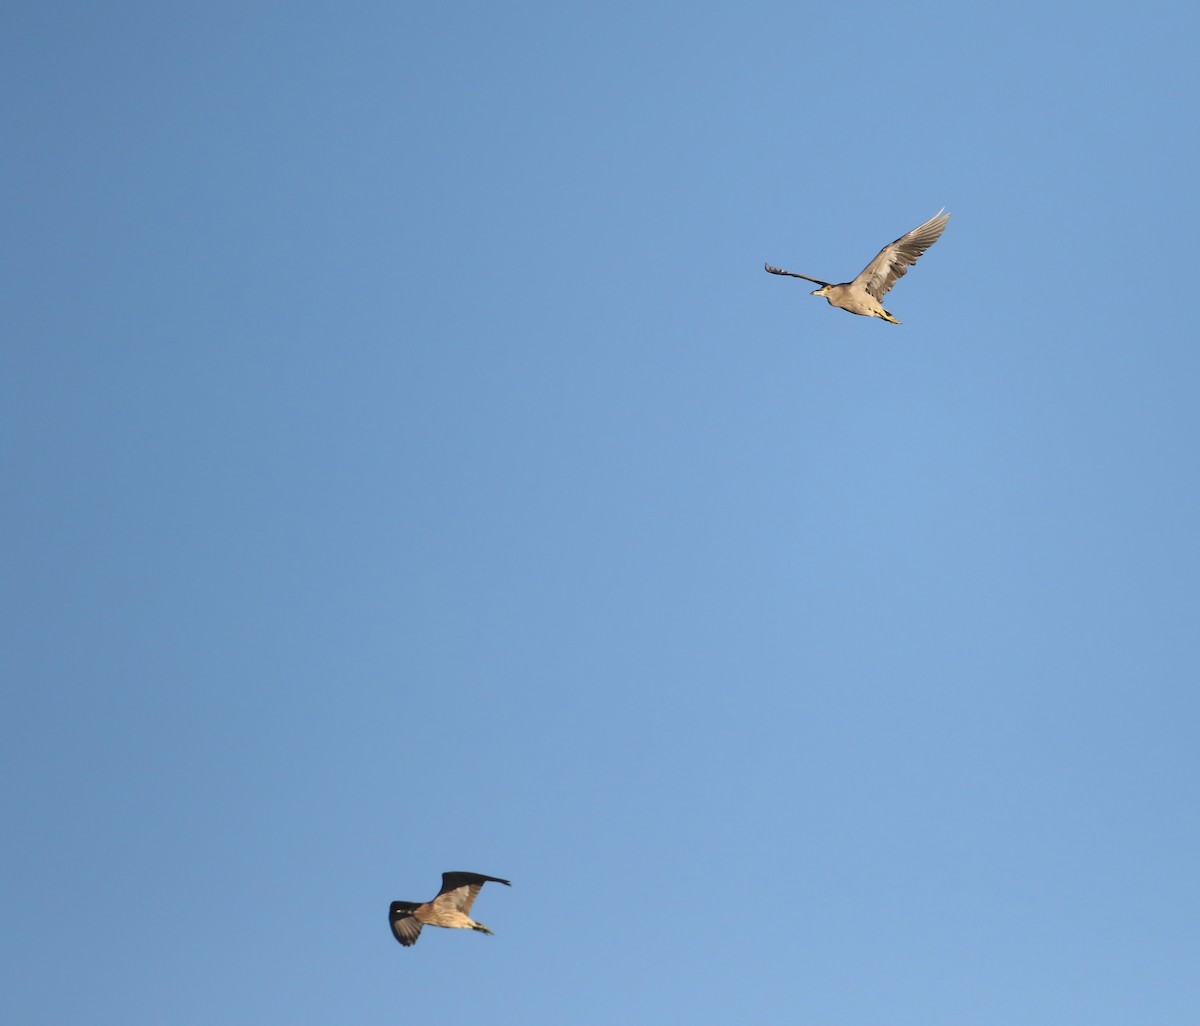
[{"x": 409, "y": 467}]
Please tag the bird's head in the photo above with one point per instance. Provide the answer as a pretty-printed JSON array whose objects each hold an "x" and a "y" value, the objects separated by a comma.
[{"x": 823, "y": 290}]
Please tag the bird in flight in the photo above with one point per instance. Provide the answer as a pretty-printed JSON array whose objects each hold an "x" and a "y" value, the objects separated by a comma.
[
  {"x": 865, "y": 294},
  {"x": 449, "y": 908}
]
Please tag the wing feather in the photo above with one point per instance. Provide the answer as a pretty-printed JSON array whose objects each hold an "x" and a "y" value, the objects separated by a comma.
[
  {"x": 792, "y": 274},
  {"x": 894, "y": 260},
  {"x": 406, "y": 928},
  {"x": 459, "y": 889}
]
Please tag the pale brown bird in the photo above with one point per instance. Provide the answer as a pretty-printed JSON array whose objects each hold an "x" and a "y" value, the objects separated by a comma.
[
  {"x": 449, "y": 908},
  {"x": 865, "y": 294}
]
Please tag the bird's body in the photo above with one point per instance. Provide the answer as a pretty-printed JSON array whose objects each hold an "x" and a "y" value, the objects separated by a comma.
[
  {"x": 864, "y": 295},
  {"x": 449, "y": 908}
]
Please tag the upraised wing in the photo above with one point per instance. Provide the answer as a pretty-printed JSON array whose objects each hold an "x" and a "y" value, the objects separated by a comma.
[
  {"x": 894, "y": 260},
  {"x": 459, "y": 890}
]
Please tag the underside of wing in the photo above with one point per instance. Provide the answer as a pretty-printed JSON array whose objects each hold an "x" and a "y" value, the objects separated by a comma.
[
  {"x": 405, "y": 926},
  {"x": 894, "y": 260},
  {"x": 459, "y": 890}
]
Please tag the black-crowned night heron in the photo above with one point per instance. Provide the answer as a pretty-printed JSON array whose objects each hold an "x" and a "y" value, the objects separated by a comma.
[
  {"x": 448, "y": 908},
  {"x": 865, "y": 294}
]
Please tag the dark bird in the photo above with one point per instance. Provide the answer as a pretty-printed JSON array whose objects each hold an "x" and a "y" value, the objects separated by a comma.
[
  {"x": 865, "y": 294},
  {"x": 449, "y": 908}
]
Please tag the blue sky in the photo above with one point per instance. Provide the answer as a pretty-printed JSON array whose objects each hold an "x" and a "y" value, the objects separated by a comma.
[{"x": 409, "y": 467}]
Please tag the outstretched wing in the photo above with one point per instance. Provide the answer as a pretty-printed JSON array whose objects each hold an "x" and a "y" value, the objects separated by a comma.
[
  {"x": 459, "y": 890},
  {"x": 894, "y": 260},
  {"x": 792, "y": 274},
  {"x": 405, "y": 926}
]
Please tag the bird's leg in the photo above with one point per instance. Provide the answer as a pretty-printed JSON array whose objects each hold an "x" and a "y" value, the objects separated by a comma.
[
  {"x": 889, "y": 318},
  {"x": 482, "y": 929}
]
